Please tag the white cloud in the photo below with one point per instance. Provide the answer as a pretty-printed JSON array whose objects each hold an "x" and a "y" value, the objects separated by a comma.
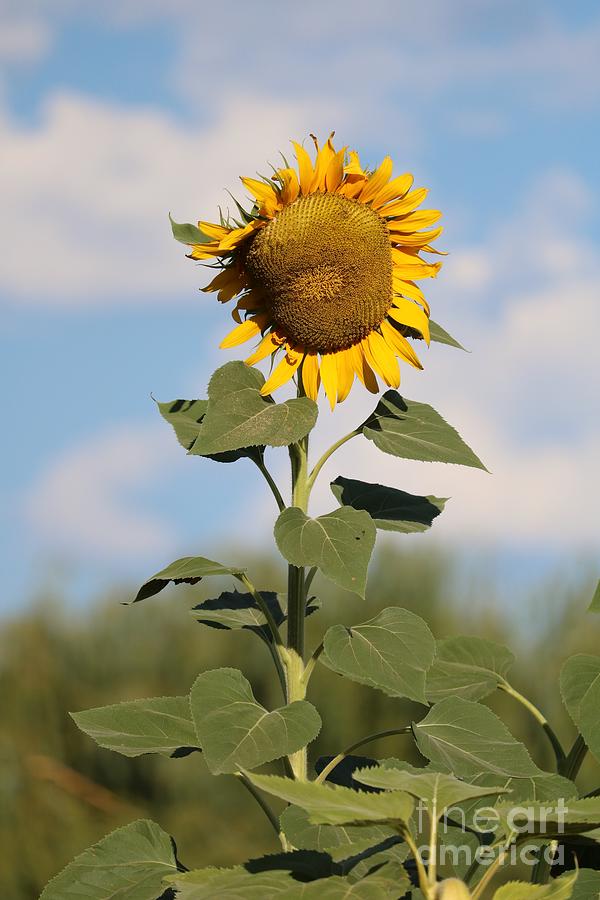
[
  {"x": 86, "y": 194},
  {"x": 85, "y": 502},
  {"x": 23, "y": 40}
]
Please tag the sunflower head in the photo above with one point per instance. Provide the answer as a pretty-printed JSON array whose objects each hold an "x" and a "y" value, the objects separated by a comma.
[{"x": 324, "y": 268}]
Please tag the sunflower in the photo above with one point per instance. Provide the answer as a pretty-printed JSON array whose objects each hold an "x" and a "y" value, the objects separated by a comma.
[{"x": 324, "y": 270}]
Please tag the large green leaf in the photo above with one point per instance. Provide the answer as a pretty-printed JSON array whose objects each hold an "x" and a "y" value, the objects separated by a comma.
[
  {"x": 436, "y": 790},
  {"x": 587, "y": 886},
  {"x": 186, "y": 233},
  {"x": 391, "y": 652},
  {"x": 552, "y": 820},
  {"x": 334, "y": 805},
  {"x": 416, "y": 431},
  {"x": 234, "y": 610},
  {"x": 187, "y": 570},
  {"x": 391, "y": 509},
  {"x": 467, "y": 739},
  {"x": 339, "y": 543},
  {"x": 185, "y": 416},
  {"x": 468, "y": 667},
  {"x": 340, "y": 841},
  {"x": 158, "y": 725},
  {"x": 441, "y": 336},
  {"x": 559, "y": 889},
  {"x": 595, "y": 604},
  {"x": 235, "y": 731},
  {"x": 579, "y": 674},
  {"x": 128, "y": 864},
  {"x": 239, "y": 417}
]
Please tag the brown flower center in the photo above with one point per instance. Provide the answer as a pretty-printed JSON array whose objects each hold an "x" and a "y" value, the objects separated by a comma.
[{"x": 324, "y": 268}]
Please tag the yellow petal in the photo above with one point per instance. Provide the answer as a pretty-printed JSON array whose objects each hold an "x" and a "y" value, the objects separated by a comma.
[
  {"x": 335, "y": 171},
  {"x": 396, "y": 189},
  {"x": 214, "y": 231},
  {"x": 329, "y": 377},
  {"x": 236, "y": 235},
  {"x": 264, "y": 194},
  {"x": 399, "y": 344},
  {"x": 417, "y": 239},
  {"x": 409, "y": 289},
  {"x": 228, "y": 283},
  {"x": 291, "y": 186},
  {"x": 204, "y": 251},
  {"x": 362, "y": 368},
  {"x": 408, "y": 313},
  {"x": 324, "y": 157},
  {"x": 354, "y": 168},
  {"x": 242, "y": 333},
  {"x": 310, "y": 375},
  {"x": 406, "y": 205},
  {"x": 422, "y": 218},
  {"x": 409, "y": 265},
  {"x": 269, "y": 344},
  {"x": 377, "y": 181},
  {"x": 282, "y": 372},
  {"x": 381, "y": 358},
  {"x": 305, "y": 168},
  {"x": 345, "y": 374}
]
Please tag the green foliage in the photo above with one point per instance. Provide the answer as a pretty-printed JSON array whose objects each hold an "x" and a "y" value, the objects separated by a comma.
[
  {"x": 160, "y": 725},
  {"x": 129, "y": 864},
  {"x": 186, "y": 233},
  {"x": 580, "y": 688},
  {"x": 237, "y": 416},
  {"x": 561, "y": 889},
  {"x": 237, "y": 732},
  {"x": 441, "y": 336},
  {"x": 466, "y": 738},
  {"x": 391, "y": 652},
  {"x": 340, "y": 544},
  {"x": 595, "y": 604},
  {"x": 390, "y": 509},
  {"x": 339, "y": 841},
  {"x": 412, "y": 430},
  {"x": 468, "y": 667},
  {"x": 188, "y": 570}
]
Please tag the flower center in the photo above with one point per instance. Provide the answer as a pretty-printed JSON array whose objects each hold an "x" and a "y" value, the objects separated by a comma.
[{"x": 324, "y": 268}]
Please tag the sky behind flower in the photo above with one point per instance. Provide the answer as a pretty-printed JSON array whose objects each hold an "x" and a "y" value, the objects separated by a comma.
[{"x": 112, "y": 116}]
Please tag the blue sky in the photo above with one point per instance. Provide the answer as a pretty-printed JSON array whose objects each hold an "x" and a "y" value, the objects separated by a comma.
[{"x": 111, "y": 117}]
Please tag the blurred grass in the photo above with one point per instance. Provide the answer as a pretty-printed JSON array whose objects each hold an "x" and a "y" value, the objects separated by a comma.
[{"x": 59, "y": 792}]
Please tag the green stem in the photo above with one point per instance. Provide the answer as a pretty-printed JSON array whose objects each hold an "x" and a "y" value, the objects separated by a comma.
[
  {"x": 423, "y": 882},
  {"x": 575, "y": 758},
  {"x": 319, "y": 465},
  {"x": 309, "y": 580},
  {"x": 540, "y": 718},
  {"x": 310, "y": 665},
  {"x": 270, "y": 481},
  {"x": 263, "y": 805},
  {"x": 366, "y": 740}
]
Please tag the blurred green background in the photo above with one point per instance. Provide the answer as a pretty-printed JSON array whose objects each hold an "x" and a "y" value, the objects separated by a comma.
[{"x": 59, "y": 792}]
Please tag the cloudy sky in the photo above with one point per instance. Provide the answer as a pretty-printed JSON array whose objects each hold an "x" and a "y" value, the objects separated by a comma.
[{"x": 112, "y": 115}]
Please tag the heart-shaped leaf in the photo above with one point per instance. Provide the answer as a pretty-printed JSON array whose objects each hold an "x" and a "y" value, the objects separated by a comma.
[
  {"x": 339, "y": 543},
  {"x": 467, "y": 739},
  {"x": 390, "y": 509},
  {"x": 187, "y": 570},
  {"x": 339, "y": 841},
  {"x": 236, "y": 732},
  {"x": 559, "y": 889},
  {"x": 128, "y": 864},
  {"x": 580, "y": 688},
  {"x": 239, "y": 417},
  {"x": 468, "y": 667},
  {"x": 416, "y": 431},
  {"x": 186, "y": 417},
  {"x": 391, "y": 652},
  {"x": 158, "y": 725},
  {"x": 233, "y": 610}
]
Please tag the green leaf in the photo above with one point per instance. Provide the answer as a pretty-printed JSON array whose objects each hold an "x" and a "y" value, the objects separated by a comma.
[
  {"x": 334, "y": 805},
  {"x": 441, "y": 336},
  {"x": 595, "y": 604},
  {"x": 339, "y": 543},
  {"x": 467, "y": 739},
  {"x": 468, "y": 667},
  {"x": 587, "y": 885},
  {"x": 436, "y": 790},
  {"x": 234, "y": 610},
  {"x": 340, "y": 841},
  {"x": 235, "y": 731},
  {"x": 158, "y": 725},
  {"x": 580, "y": 689},
  {"x": 413, "y": 430},
  {"x": 391, "y": 509},
  {"x": 572, "y": 817},
  {"x": 391, "y": 652},
  {"x": 185, "y": 416},
  {"x": 231, "y": 884},
  {"x": 186, "y": 233},
  {"x": 128, "y": 864},
  {"x": 187, "y": 570},
  {"x": 559, "y": 889},
  {"x": 239, "y": 417}
]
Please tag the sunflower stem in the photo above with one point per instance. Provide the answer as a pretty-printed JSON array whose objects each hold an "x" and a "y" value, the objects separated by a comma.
[{"x": 294, "y": 657}]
